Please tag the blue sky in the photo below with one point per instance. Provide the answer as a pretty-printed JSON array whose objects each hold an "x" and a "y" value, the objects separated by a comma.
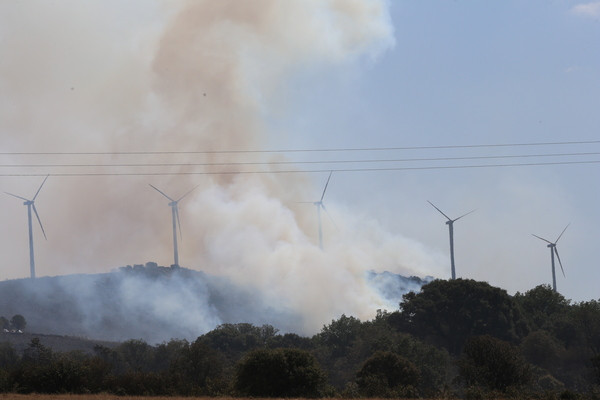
[{"x": 466, "y": 73}]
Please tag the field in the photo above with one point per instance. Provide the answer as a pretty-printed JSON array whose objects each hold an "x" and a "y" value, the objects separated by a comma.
[{"x": 114, "y": 397}]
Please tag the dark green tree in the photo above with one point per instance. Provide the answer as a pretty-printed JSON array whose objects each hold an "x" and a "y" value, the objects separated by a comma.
[
  {"x": 493, "y": 364},
  {"x": 279, "y": 373},
  {"x": 199, "y": 370},
  {"x": 4, "y": 323},
  {"x": 18, "y": 322},
  {"x": 387, "y": 374},
  {"x": 340, "y": 334},
  {"x": 8, "y": 356},
  {"x": 233, "y": 340},
  {"x": 447, "y": 313}
]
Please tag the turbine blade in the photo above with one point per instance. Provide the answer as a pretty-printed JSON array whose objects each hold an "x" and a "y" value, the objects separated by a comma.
[
  {"x": 327, "y": 183},
  {"x": 190, "y": 191},
  {"x": 464, "y": 215},
  {"x": 562, "y": 232},
  {"x": 329, "y": 216},
  {"x": 541, "y": 238},
  {"x": 449, "y": 219},
  {"x": 18, "y": 197},
  {"x": 40, "y": 188},
  {"x": 559, "y": 262},
  {"x": 159, "y": 191},
  {"x": 39, "y": 220},
  {"x": 178, "y": 221}
]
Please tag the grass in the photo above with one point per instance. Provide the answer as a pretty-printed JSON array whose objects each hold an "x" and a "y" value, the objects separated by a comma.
[{"x": 104, "y": 396}]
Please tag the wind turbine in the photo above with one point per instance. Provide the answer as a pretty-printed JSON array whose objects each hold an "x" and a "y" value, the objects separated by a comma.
[
  {"x": 175, "y": 215},
  {"x": 450, "y": 222},
  {"x": 31, "y": 205},
  {"x": 553, "y": 250},
  {"x": 320, "y": 205}
]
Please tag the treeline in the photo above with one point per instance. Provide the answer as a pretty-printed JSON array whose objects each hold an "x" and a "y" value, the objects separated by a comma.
[
  {"x": 16, "y": 323},
  {"x": 458, "y": 338}
]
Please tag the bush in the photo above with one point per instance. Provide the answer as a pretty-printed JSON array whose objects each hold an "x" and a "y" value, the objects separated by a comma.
[
  {"x": 493, "y": 364},
  {"x": 279, "y": 373},
  {"x": 387, "y": 374}
]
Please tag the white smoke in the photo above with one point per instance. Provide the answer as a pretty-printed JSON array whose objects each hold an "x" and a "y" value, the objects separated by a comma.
[{"x": 198, "y": 76}]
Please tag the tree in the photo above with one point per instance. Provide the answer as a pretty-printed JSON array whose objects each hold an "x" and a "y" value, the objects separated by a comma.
[
  {"x": 340, "y": 335},
  {"x": 235, "y": 339},
  {"x": 4, "y": 323},
  {"x": 493, "y": 364},
  {"x": 542, "y": 305},
  {"x": 8, "y": 355},
  {"x": 386, "y": 374},
  {"x": 18, "y": 322},
  {"x": 199, "y": 370},
  {"x": 446, "y": 313},
  {"x": 279, "y": 373}
]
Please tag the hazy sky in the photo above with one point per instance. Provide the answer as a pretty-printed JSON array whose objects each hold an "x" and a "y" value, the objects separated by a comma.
[{"x": 102, "y": 76}]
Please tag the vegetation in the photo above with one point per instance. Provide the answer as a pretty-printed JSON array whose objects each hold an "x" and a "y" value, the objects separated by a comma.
[
  {"x": 16, "y": 323},
  {"x": 461, "y": 338}
]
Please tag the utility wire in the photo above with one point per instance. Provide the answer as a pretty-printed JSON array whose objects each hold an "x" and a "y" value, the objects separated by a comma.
[
  {"x": 299, "y": 162},
  {"x": 304, "y": 171},
  {"x": 308, "y": 150}
]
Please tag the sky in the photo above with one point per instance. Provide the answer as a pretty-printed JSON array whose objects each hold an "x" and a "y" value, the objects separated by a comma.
[{"x": 220, "y": 82}]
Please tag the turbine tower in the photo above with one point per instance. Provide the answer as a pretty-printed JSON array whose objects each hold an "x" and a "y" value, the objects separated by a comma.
[
  {"x": 450, "y": 222},
  {"x": 175, "y": 216},
  {"x": 31, "y": 205},
  {"x": 554, "y": 250},
  {"x": 320, "y": 205}
]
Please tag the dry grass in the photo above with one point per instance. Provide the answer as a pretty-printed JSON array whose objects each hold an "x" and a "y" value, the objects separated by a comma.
[{"x": 105, "y": 396}]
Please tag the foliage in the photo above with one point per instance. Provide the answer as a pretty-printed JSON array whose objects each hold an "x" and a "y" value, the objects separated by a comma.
[
  {"x": 233, "y": 340},
  {"x": 18, "y": 322},
  {"x": 279, "y": 373},
  {"x": 493, "y": 364},
  {"x": 459, "y": 336},
  {"x": 386, "y": 374},
  {"x": 446, "y": 313}
]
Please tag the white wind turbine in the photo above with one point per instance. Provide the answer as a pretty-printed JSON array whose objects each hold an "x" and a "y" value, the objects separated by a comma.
[
  {"x": 31, "y": 205},
  {"x": 554, "y": 250},
  {"x": 320, "y": 205},
  {"x": 175, "y": 216},
  {"x": 450, "y": 222}
]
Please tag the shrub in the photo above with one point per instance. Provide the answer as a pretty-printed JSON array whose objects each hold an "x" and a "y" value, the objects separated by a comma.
[
  {"x": 387, "y": 374},
  {"x": 279, "y": 373},
  {"x": 493, "y": 364}
]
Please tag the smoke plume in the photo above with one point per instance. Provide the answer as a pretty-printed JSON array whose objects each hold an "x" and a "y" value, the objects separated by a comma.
[{"x": 193, "y": 76}]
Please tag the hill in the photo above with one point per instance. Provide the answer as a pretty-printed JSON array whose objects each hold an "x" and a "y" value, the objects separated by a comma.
[{"x": 152, "y": 303}]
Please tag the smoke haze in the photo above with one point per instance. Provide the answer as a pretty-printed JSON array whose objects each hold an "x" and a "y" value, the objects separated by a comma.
[{"x": 190, "y": 76}]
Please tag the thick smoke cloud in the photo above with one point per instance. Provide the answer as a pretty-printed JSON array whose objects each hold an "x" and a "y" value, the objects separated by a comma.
[{"x": 186, "y": 76}]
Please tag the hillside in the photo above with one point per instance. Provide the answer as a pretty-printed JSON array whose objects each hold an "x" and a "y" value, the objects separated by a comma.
[
  {"x": 152, "y": 303},
  {"x": 57, "y": 343}
]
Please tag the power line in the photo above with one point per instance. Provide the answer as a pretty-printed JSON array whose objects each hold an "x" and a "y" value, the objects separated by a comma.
[
  {"x": 215, "y": 164},
  {"x": 357, "y": 149},
  {"x": 74, "y": 174}
]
